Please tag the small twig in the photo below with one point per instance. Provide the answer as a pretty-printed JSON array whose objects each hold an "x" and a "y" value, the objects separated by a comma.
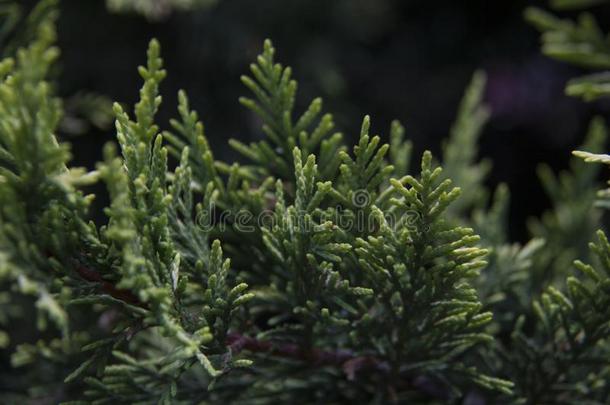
[
  {"x": 107, "y": 287},
  {"x": 345, "y": 359}
]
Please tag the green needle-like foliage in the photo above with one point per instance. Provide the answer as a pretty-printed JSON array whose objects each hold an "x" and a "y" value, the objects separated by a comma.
[
  {"x": 565, "y": 359},
  {"x": 581, "y": 42},
  {"x": 274, "y": 94},
  {"x": 317, "y": 272},
  {"x": 571, "y": 224},
  {"x": 36, "y": 188},
  {"x": 461, "y": 149},
  {"x": 420, "y": 270},
  {"x": 148, "y": 263}
]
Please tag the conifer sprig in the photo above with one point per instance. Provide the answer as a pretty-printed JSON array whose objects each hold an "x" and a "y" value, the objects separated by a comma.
[
  {"x": 581, "y": 42},
  {"x": 148, "y": 253},
  {"x": 571, "y": 336},
  {"x": 461, "y": 148},
  {"x": 420, "y": 270},
  {"x": 274, "y": 96},
  {"x": 36, "y": 188}
]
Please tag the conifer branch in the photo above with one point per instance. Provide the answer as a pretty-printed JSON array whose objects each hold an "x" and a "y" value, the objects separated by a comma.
[{"x": 317, "y": 272}]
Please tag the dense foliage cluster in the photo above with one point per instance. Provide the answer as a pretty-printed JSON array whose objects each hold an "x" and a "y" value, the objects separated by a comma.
[{"x": 312, "y": 272}]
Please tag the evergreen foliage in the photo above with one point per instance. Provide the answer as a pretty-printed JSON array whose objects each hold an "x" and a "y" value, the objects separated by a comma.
[
  {"x": 156, "y": 9},
  {"x": 581, "y": 42},
  {"x": 313, "y": 273}
]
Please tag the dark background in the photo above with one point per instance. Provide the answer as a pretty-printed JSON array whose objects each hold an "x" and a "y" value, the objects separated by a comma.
[{"x": 409, "y": 60}]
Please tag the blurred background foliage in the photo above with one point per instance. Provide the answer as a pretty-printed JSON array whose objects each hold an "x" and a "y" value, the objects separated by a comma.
[{"x": 404, "y": 59}]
